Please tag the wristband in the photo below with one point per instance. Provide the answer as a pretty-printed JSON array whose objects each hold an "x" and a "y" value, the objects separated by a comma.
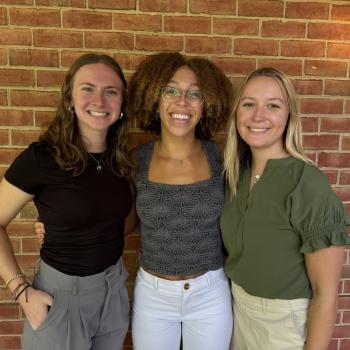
[{"x": 13, "y": 277}]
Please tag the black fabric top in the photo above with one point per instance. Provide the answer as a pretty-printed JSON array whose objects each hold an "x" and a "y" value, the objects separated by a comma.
[{"x": 83, "y": 215}]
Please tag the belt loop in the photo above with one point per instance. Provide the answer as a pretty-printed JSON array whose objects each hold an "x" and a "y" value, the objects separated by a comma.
[
  {"x": 155, "y": 282},
  {"x": 207, "y": 277},
  {"x": 75, "y": 287}
]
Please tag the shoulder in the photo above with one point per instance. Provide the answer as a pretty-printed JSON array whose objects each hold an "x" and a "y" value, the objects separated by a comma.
[{"x": 140, "y": 151}]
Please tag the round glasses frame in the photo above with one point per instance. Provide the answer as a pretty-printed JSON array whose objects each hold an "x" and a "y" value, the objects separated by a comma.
[{"x": 165, "y": 93}]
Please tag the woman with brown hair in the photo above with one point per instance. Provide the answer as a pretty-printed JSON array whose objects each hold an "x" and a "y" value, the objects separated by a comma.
[
  {"x": 78, "y": 177},
  {"x": 181, "y": 290}
]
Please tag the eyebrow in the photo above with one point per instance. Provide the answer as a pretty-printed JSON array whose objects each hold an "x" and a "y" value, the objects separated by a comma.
[
  {"x": 269, "y": 99},
  {"x": 176, "y": 82},
  {"x": 105, "y": 87}
]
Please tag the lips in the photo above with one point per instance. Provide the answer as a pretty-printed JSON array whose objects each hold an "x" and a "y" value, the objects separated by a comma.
[{"x": 180, "y": 116}]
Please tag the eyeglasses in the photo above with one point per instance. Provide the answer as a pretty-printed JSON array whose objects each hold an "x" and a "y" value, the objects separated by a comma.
[{"x": 193, "y": 97}]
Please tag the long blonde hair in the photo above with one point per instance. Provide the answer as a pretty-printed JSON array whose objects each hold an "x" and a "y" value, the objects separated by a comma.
[{"x": 237, "y": 151}]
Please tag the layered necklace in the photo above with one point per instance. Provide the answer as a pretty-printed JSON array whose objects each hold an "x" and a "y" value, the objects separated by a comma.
[{"x": 98, "y": 162}]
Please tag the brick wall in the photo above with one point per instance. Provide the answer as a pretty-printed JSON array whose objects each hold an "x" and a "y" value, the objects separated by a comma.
[{"x": 308, "y": 40}]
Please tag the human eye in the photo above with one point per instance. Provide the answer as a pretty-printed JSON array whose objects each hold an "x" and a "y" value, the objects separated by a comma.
[
  {"x": 247, "y": 104},
  {"x": 195, "y": 95},
  {"x": 86, "y": 88},
  {"x": 273, "y": 106},
  {"x": 111, "y": 92},
  {"x": 170, "y": 92}
]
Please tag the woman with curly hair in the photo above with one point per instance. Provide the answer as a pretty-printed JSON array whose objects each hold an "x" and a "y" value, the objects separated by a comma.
[
  {"x": 181, "y": 290},
  {"x": 74, "y": 174}
]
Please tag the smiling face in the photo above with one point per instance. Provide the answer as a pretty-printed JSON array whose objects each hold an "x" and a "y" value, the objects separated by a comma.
[
  {"x": 262, "y": 115},
  {"x": 180, "y": 117},
  {"x": 97, "y": 97}
]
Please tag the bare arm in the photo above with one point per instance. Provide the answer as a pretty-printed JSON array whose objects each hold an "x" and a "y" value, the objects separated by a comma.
[
  {"x": 324, "y": 270},
  {"x": 12, "y": 201}
]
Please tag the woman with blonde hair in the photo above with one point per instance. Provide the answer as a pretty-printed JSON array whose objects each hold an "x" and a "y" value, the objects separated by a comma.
[{"x": 283, "y": 227}]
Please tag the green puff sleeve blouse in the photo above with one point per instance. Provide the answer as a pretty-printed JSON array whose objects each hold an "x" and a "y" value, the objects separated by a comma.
[{"x": 292, "y": 210}]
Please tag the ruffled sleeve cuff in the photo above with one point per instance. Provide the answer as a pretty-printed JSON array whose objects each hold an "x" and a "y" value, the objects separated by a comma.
[{"x": 325, "y": 238}]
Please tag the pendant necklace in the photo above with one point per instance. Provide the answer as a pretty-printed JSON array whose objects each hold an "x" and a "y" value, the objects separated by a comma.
[
  {"x": 98, "y": 162},
  {"x": 256, "y": 179}
]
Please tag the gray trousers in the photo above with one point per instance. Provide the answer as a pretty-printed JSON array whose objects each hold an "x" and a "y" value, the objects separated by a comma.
[{"x": 88, "y": 313}]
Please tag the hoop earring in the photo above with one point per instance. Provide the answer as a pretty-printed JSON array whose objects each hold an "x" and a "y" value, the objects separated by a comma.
[
  {"x": 121, "y": 115},
  {"x": 71, "y": 110}
]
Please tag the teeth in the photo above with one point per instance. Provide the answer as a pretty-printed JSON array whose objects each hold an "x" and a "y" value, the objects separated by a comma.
[
  {"x": 258, "y": 129},
  {"x": 97, "y": 114},
  {"x": 181, "y": 116}
]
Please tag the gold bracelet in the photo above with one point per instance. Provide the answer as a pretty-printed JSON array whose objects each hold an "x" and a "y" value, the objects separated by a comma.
[{"x": 13, "y": 277}]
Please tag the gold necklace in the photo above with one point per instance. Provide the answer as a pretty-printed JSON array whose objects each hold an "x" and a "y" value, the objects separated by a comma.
[{"x": 98, "y": 162}]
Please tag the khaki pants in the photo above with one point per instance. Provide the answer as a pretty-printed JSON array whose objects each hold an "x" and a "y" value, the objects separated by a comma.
[{"x": 267, "y": 324}]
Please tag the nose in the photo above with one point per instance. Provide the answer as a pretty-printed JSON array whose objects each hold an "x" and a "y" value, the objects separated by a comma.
[
  {"x": 98, "y": 98},
  {"x": 258, "y": 113},
  {"x": 182, "y": 99}
]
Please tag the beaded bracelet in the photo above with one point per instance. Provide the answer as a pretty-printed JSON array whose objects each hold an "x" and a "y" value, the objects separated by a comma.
[
  {"x": 23, "y": 290},
  {"x": 14, "y": 277}
]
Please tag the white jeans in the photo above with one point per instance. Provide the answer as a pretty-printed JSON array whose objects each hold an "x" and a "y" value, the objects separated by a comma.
[
  {"x": 198, "y": 309},
  {"x": 272, "y": 324}
]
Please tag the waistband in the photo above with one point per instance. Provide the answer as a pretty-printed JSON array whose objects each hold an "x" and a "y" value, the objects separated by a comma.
[
  {"x": 242, "y": 297},
  {"x": 207, "y": 279},
  {"x": 76, "y": 284}
]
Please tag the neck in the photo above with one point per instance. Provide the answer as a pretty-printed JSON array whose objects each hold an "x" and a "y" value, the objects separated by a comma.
[
  {"x": 260, "y": 157},
  {"x": 178, "y": 147},
  {"x": 95, "y": 143}
]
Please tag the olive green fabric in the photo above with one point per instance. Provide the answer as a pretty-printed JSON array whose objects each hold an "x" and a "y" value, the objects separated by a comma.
[{"x": 291, "y": 211}]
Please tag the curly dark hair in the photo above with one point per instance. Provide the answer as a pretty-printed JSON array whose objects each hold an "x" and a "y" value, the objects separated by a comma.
[
  {"x": 63, "y": 132},
  {"x": 156, "y": 71}
]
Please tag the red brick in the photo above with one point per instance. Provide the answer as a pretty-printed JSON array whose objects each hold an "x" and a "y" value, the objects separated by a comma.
[
  {"x": 213, "y": 7},
  {"x": 11, "y": 327},
  {"x": 187, "y": 24},
  {"x": 87, "y": 19},
  {"x": 308, "y": 87},
  {"x": 44, "y": 118},
  {"x": 33, "y": 57},
  {"x": 321, "y": 106},
  {"x": 108, "y": 40},
  {"x": 10, "y": 342},
  {"x": 344, "y": 177},
  {"x": 289, "y": 67},
  {"x": 338, "y": 50},
  {"x": 128, "y": 62},
  {"x": 309, "y": 124},
  {"x": 347, "y": 290},
  {"x": 234, "y": 26},
  {"x": 57, "y": 38},
  {"x": 50, "y": 78},
  {"x": 341, "y": 332},
  {"x": 260, "y": 8},
  {"x": 345, "y": 343},
  {"x": 206, "y": 45},
  {"x": 332, "y": 176},
  {"x": 307, "y": 10},
  {"x": 15, "y": 36},
  {"x": 324, "y": 142},
  {"x": 133, "y": 22},
  {"x": 27, "y": 261},
  {"x": 3, "y": 56},
  {"x": 329, "y": 31},
  {"x": 344, "y": 195},
  {"x": 235, "y": 65},
  {"x": 261, "y": 47},
  {"x": 16, "y": 77},
  {"x": 35, "y": 17},
  {"x": 30, "y": 245},
  {"x": 162, "y": 5},
  {"x": 347, "y": 107},
  {"x": 338, "y": 87},
  {"x": 68, "y": 57},
  {"x": 16, "y": 2},
  {"x": 113, "y": 4},
  {"x": 62, "y": 3},
  {"x": 326, "y": 68},
  {"x": 280, "y": 28},
  {"x": 34, "y": 98},
  {"x": 3, "y": 97},
  {"x": 3, "y": 16},
  {"x": 21, "y": 229},
  {"x": 340, "y": 12},
  {"x": 299, "y": 48},
  {"x": 334, "y": 160},
  {"x": 340, "y": 125},
  {"x": 24, "y": 137},
  {"x": 333, "y": 345},
  {"x": 13, "y": 117},
  {"x": 4, "y": 137},
  {"x": 15, "y": 242},
  {"x": 8, "y": 311},
  {"x": 345, "y": 145},
  {"x": 159, "y": 43}
]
